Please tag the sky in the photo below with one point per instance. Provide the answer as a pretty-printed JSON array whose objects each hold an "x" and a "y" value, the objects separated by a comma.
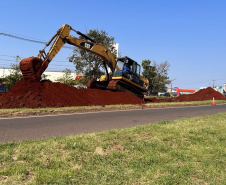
[{"x": 189, "y": 34}]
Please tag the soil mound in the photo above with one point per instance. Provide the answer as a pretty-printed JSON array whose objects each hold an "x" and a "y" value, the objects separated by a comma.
[
  {"x": 203, "y": 94},
  {"x": 48, "y": 94}
]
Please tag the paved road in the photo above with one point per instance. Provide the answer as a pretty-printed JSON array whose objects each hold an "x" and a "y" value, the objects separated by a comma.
[{"x": 26, "y": 128}]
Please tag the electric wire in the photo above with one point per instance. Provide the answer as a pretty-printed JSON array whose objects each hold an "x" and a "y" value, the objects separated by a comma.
[
  {"x": 20, "y": 34},
  {"x": 26, "y": 57},
  {"x": 202, "y": 81},
  {"x": 30, "y": 40},
  {"x": 17, "y": 61},
  {"x": 1, "y": 64}
]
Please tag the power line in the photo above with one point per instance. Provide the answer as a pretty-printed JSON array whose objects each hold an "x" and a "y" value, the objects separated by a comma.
[
  {"x": 8, "y": 56},
  {"x": 7, "y": 60},
  {"x": 21, "y": 38},
  {"x": 26, "y": 57},
  {"x": 21, "y": 35},
  {"x": 52, "y": 64},
  {"x": 200, "y": 81},
  {"x": 30, "y": 40}
]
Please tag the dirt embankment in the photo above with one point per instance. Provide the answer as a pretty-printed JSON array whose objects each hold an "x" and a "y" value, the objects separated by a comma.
[
  {"x": 201, "y": 95},
  {"x": 48, "y": 94},
  {"x": 26, "y": 94}
]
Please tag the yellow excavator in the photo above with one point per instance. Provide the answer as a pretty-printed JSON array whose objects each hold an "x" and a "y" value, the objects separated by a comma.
[{"x": 122, "y": 74}]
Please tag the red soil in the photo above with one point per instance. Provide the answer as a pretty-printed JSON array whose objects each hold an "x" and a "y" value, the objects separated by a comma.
[
  {"x": 34, "y": 94},
  {"x": 203, "y": 94},
  {"x": 26, "y": 94}
]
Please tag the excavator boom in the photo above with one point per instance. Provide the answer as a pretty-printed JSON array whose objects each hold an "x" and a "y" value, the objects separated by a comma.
[{"x": 30, "y": 66}]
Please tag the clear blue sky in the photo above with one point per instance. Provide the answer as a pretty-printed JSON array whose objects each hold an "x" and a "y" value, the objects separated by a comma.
[{"x": 189, "y": 34}]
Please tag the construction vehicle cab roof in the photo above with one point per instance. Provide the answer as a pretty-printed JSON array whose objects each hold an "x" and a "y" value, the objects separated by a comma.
[{"x": 128, "y": 60}]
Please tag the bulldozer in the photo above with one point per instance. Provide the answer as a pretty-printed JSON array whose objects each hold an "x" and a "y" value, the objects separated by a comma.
[{"x": 122, "y": 74}]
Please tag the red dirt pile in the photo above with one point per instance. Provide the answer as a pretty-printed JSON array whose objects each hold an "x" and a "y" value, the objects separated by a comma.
[
  {"x": 203, "y": 94},
  {"x": 26, "y": 94}
]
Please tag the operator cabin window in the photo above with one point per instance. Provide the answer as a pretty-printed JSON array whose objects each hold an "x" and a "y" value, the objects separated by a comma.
[
  {"x": 138, "y": 70},
  {"x": 118, "y": 69}
]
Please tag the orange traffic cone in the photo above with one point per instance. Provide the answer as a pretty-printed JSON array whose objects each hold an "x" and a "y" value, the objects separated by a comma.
[{"x": 213, "y": 102}]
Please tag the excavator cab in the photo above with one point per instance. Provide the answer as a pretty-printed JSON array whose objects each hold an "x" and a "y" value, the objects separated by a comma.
[
  {"x": 126, "y": 77},
  {"x": 127, "y": 68}
]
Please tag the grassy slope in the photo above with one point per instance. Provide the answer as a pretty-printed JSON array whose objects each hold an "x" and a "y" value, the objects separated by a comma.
[{"x": 185, "y": 151}]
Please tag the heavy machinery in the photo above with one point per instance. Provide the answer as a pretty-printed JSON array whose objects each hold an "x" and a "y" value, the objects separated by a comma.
[{"x": 116, "y": 78}]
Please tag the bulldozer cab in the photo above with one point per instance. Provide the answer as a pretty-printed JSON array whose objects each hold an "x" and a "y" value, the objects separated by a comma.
[{"x": 128, "y": 68}]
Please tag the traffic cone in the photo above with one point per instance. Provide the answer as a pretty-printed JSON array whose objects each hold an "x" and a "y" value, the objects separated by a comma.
[{"x": 213, "y": 102}]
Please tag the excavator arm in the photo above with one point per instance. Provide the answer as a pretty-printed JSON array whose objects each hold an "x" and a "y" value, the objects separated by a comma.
[{"x": 33, "y": 67}]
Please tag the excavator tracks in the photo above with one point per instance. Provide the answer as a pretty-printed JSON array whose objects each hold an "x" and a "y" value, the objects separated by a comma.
[
  {"x": 118, "y": 85},
  {"x": 93, "y": 84}
]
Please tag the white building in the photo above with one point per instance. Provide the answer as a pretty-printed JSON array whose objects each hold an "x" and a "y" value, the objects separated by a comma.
[
  {"x": 51, "y": 75},
  {"x": 116, "y": 48}
]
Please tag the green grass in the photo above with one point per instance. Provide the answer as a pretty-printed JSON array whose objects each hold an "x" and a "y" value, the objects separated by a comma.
[
  {"x": 49, "y": 110},
  {"x": 61, "y": 108},
  {"x": 208, "y": 102},
  {"x": 184, "y": 151}
]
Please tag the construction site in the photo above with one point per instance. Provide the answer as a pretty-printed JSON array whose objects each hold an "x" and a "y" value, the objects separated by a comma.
[
  {"x": 49, "y": 94},
  {"x": 121, "y": 84},
  {"x": 112, "y": 92}
]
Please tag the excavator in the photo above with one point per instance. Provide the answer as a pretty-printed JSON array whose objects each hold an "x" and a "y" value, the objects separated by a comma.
[{"x": 116, "y": 77}]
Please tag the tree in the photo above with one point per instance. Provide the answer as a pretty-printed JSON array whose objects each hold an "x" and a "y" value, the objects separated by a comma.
[
  {"x": 14, "y": 76},
  {"x": 81, "y": 83},
  {"x": 149, "y": 73},
  {"x": 66, "y": 78},
  {"x": 157, "y": 75},
  {"x": 161, "y": 79},
  {"x": 44, "y": 77},
  {"x": 89, "y": 64}
]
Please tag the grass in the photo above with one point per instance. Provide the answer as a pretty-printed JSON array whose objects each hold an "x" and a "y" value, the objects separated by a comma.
[
  {"x": 51, "y": 110},
  {"x": 184, "y": 151},
  {"x": 208, "y": 102},
  {"x": 61, "y": 108}
]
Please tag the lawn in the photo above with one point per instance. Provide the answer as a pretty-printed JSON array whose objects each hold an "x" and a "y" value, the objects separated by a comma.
[{"x": 184, "y": 151}]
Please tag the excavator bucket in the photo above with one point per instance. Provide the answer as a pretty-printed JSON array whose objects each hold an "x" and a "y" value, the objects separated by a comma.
[{"x": 32, "y": 68}]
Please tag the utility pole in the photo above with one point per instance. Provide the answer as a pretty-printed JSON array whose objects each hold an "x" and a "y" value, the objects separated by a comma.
[
  {"x": 172, "y": 85},
  {"x": 213, "y": 83}
]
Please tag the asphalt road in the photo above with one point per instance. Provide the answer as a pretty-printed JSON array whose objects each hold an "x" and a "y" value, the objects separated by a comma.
[{"x": 26, "y": 128}]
